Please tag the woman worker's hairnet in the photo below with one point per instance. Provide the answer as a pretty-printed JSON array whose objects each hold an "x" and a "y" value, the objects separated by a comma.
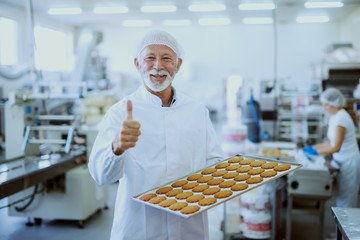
[
  {"x": 159, "y": 37},
  {"x": 333, "y": 97}
]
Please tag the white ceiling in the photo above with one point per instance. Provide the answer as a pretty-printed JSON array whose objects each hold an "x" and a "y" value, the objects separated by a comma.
[{"x": 286, "y": 12}]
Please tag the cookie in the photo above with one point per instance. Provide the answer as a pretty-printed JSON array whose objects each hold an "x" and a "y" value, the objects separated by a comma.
[
  {"x": 269, "y": 165},
  {"x": 230, "y": 175},
  {"x": 227, "y": 184},
  {"x": 244, "y": 169},
  {"x": 164, "y": 190},
  {"x": 235, "y": 159},
  {"x": 184, "y": 195},
  {"x": 282, "y": 167},
  {"x": 239, "y": 187},
  {"x": 223, "y": 194},
  {"x": 269, "y": 173},
  {"x": 215, "y": 181},
  {"x": 246, "y": 161},
  {"x": 195, "y": 198},
  {"x": 207, "y": 201},
  {"x": 194, "y": 177},
  {"x": 254, "y": 180},
  {"x": 208, "y": 171},
  {"x": 167, "y": 202},
  {"x": 200, "y": 188},
  {"x": 257, "y": 163},
  {"x": 219, "y": 173},
  {"x": 204, "y": 179},
  {"x": 255, "y": 171},
  {"x": 157, "y": 199},
  {"x": 147, "y": 197},
  {"x": 232, "y": 167},
  {"x": 178, "y": 206},
  {"x": 190, "y": 185},
  {"x": 241, "y": 177},
  {"x": 179, "y": 183},
  {"x": 211, "y": 191},
  {"x": 190, "y": 209},
  {"x": 173, "y": 192},
  {"x": 222, "y": 165}
]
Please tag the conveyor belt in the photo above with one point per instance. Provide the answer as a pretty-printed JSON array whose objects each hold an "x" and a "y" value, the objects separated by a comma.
[{"x": 22, "y": 173}]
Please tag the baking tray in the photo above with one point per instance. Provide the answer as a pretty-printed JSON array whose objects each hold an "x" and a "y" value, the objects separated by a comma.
[{"x": 293, "y": 167}]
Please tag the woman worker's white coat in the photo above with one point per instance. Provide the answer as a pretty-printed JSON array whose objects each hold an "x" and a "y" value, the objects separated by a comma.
[{"x": 174, "y": 141}]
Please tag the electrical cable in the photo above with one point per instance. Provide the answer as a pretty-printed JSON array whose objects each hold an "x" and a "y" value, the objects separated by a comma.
[{"x": 24, "y": 198}]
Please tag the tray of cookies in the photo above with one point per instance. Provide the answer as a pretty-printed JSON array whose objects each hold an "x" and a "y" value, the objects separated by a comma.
[{"x": 208, "y": 187}]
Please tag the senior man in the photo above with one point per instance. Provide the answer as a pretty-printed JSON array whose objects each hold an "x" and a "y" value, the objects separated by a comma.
[{"x": 151, "y": 137}]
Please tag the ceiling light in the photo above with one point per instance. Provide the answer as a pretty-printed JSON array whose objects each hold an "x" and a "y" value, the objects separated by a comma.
[
  {"x": 207, "y": 7},
  {"x": 214, "y": 21},
  {"x": 333, "y": 4},
  {"x": 160, "y": 8},
  {"x": 64, "y": 11},
  {"x": 136, "y": 23},
  {"x": 110, "y": 10},
  {"x": 259, "y": 20},
  {"x": 312, "y": 19},
  {"x": 184, "y": 22},
  {"x": 256, "y": 6}
]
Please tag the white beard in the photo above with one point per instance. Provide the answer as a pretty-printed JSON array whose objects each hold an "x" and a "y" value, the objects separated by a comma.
[{"x": 157, "y": 86}]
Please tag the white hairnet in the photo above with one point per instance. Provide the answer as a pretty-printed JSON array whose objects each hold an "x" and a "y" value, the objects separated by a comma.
[
  {"x": 159, "y": 37},
  {"x": 333, "y": 97}
]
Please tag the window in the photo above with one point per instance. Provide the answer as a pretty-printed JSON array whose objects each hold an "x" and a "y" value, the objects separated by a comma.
[
  {"x": 8, "y": 42},
  {"x": 54, "y": 50}
]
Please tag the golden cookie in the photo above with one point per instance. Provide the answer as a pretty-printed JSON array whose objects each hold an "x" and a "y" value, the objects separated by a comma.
[
  {"x": 257, "y": 163},
  {"x": 173, "y": 192},
  {"x": 222, "y": 165},
  {"x": 219, "y": 173},
  {"x": 223, "y": 194},
  {"x": 211, "y": 191},
  {"x": 235, "y": 160},
  {"x": 208, "y": 171},
  {"x": 232, "y": 167},
  {"x": 164, "y": 190},
  {"x": 254, "y": 180},
  {"x": 227, "y": 184},
  {"x": 183, "y": 195},
  {"x": 179, "y": 183},
  {"x": 215, "y": 181},
  {"x": 242, "y": 177},
  {"x": 207, "y": 201},
  {"x": 255, "y": 171},
  {"x": 239, "y": 187},
  {"x": 190, "y": 209},
  {"x": 200, "y": 188},
  {"x": 269, "y": 165},
  {"x": 167, "y": 202},
  {"x": 194, "y": 177},
  {"x": 178, "y": 206},
  {"x": 204, "y": 179},
  {"x": 270, "y": 173},
  {"x": 282, "y": 167},
  {"x": 246, "y": 161},
  {"x": 190, "y": 185},
  {"x": 230, "y": 175},
  {"x": 157, "y": 199},
  {"x": 244, "y": 169},
  {"x": 147, "y": 197},
  {"x": 195, "y": 198}
]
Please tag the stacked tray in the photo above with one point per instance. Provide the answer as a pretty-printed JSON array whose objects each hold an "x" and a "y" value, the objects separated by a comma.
[{"x": 201, "y": 190}]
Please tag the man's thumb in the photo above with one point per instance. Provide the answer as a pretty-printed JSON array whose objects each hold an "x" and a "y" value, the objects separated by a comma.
[{"x": 129, "y": 110}]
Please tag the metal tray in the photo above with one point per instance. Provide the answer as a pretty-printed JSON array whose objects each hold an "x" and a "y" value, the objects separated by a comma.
[{"x": 293, "y": 167}]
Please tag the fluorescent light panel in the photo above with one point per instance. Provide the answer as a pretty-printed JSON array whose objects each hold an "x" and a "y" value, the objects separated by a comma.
[
  {"x": 110, "y": 10},
  {"x": 333, "y": 4},
  {"x": 182, "y": 22},
  {"x": 136, "y": 23},
  {"x": 214, "y": 21},
  {"x": 259, "y": 20},
  {"x": 64, "y": 11},
  {"x": 159, "y": 8},
  {"x": 312, "y": 19},
  {"x": 256, "y": 6},
  {"x": 207, "y": 7}
]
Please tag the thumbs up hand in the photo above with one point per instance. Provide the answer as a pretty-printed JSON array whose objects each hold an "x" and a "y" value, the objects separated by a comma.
[{"x": 128, "y": 134}]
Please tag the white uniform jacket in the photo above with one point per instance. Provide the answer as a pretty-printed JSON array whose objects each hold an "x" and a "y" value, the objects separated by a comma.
[{"x": 174, "y": 141}]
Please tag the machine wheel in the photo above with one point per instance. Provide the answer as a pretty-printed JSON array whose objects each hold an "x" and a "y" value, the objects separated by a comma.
[
  {"x": 38, "y": 221},
  {"x": 81, "y": 224}
]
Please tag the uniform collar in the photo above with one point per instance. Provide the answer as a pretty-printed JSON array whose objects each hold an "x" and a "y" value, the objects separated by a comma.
[{"x": 155, "y": 99}]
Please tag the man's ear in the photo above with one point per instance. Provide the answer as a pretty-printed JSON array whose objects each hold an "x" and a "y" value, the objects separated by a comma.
[
  {"x": 136, "y": 63},
  {"x": 179, "y": 64}
]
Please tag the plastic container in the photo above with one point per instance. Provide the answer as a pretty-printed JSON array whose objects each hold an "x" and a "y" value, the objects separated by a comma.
[{"x": 257, "y": 224}]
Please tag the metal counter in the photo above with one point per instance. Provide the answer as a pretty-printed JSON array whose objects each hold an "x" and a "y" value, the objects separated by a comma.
[{"x": 347, "y": 223}]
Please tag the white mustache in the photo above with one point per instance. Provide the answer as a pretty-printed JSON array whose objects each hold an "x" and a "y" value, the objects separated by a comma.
[{"x": 158, "y": 73}]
